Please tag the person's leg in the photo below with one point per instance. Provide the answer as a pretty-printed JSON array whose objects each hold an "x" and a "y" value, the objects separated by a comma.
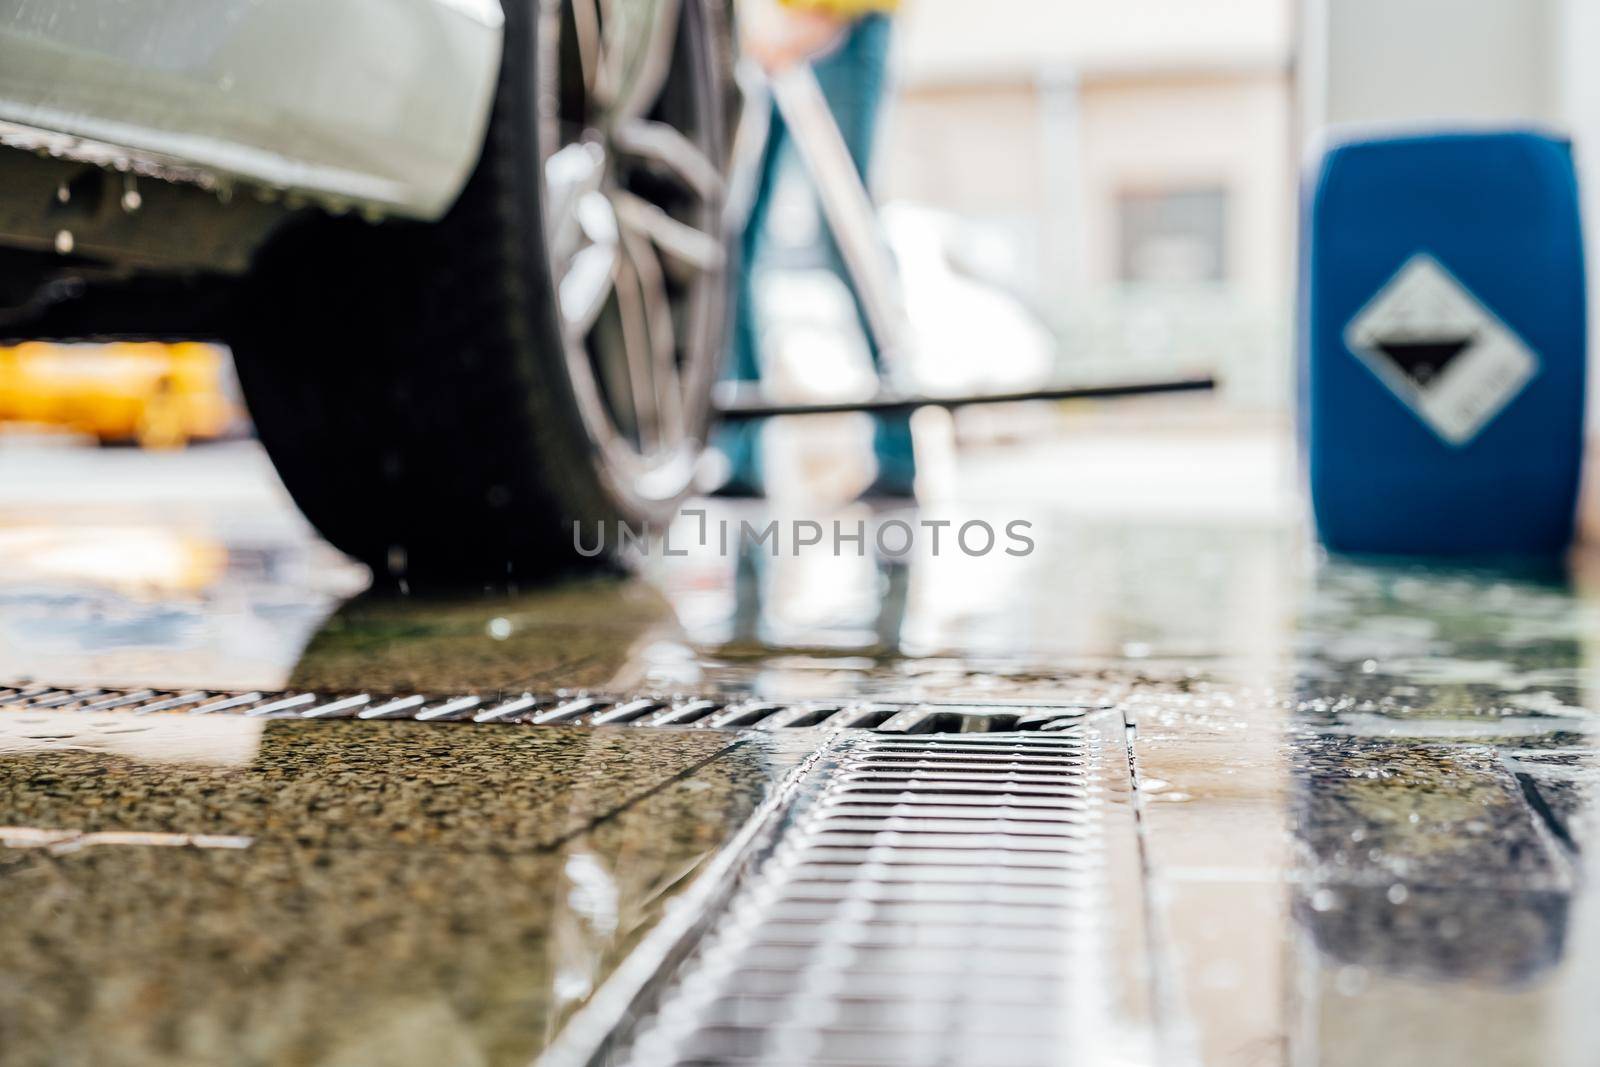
[
  {"x": 741, "y": 441},
  {"x": 853, "y": 80}
]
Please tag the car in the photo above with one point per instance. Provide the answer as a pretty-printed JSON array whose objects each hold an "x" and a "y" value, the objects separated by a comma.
[{"x": 470, "y": 255}]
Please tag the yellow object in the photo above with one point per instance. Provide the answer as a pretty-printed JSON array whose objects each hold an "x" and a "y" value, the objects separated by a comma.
[
  {"x": 159, "y": 395},
  {"x": 137, "y": 561},
  {"x": 850, "y": 9}
]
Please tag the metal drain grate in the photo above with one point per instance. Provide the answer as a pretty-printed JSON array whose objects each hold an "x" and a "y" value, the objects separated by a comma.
[
  {"x": 960, "y": 900},
  {"x": 562, "y": 708}
]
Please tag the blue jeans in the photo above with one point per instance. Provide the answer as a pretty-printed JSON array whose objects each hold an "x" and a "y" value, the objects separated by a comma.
[{"x": 852, "y": 79}]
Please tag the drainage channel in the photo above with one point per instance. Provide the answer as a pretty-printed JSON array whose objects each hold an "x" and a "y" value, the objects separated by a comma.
[
  {"x": 937, "y": 883},
  {"x": 944, "y": 899},
  {"x": 564, "y": 708}
]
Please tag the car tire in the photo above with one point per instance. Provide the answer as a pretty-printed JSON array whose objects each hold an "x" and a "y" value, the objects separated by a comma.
[{"x": 445, "y": 401}]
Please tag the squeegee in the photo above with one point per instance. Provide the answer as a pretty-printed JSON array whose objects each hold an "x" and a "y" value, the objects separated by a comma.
[{"x": 851, "y": 218}]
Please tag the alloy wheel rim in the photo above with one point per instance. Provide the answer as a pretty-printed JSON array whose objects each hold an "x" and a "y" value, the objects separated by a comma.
[{"x": 633, "y": 192}]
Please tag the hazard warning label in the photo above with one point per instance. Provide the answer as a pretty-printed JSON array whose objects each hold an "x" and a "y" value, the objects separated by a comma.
[{"x": 1441, "y": 350}]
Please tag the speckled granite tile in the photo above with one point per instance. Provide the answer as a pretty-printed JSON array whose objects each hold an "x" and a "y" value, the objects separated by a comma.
[
  {"x": 359, "y": 784},
  {"x": 1374, "y": 812},
  {"x": 409, "y": 894}
]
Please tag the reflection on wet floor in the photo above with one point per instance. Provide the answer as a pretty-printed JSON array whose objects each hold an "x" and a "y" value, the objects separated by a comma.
[
  {"x": 127, "y": 567},
  {"x": 594, "y": 632},
  {"x": 289, "y": 897},
  {"x": 1366, "y": 790}
]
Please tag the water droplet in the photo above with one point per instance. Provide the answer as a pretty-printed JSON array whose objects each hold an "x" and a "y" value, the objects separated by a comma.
[
  {"x": 64, "y": 242},
  {"x": 1398, "y": 893},
  {"x": 499, "y": 628},
  {"x": 1324, "y": 900}
]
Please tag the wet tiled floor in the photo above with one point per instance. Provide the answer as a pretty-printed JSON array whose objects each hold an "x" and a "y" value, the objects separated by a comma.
[
  {"x": 1365, "y": 791},
  {"x": 350, "y": 892}
]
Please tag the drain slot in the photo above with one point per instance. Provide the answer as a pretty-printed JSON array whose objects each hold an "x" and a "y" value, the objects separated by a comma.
[
  {"x": 685, "y": 714},
  {"x": 629, "y": 712}
]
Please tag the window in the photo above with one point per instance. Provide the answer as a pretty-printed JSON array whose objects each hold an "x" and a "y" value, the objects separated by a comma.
[{"x": 1177, "y": 236}]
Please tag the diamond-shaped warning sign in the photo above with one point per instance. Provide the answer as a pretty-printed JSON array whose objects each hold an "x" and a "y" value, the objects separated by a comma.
[{"x": 1441, "y": 350}]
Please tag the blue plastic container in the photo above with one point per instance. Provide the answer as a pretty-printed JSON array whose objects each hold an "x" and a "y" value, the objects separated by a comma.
[{"x": 1443, "y": 344}]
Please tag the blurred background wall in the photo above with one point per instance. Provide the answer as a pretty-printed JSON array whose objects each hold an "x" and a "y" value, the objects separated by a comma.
[
  {"x": 1419, "y": 60},
  {"x": 1131, "y": 162}
]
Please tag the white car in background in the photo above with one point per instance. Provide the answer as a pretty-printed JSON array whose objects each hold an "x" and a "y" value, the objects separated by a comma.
[{"x": 469, "y": 254}]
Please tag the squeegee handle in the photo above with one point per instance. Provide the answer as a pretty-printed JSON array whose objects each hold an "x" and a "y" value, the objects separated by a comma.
[
  {"x": 740, "y": 402},
  {"x": 846, "y": 207}
]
